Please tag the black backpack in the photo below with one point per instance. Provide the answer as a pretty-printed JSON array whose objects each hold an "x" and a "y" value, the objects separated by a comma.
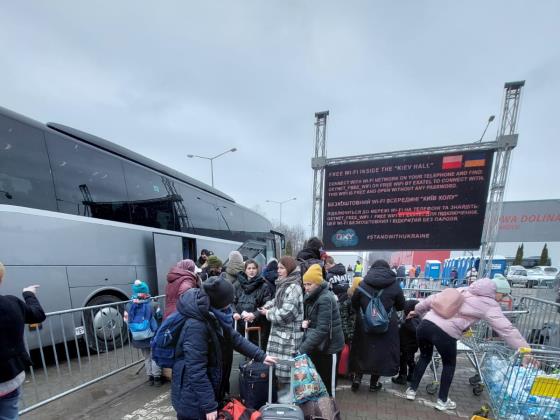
[{"x": 305, "y": 264}]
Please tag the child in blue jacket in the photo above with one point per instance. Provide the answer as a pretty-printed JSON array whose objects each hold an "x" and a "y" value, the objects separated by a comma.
[{"x": 143, "y": 308}]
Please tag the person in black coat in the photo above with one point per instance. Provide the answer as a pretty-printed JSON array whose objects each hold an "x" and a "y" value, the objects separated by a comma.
[
  {"x": 311, "y": 250},
  {"x": 408, "y": 344},
  {"x": 14, "y": 359},
  {"x": 323, "y": 328},
  {"x": 376, "y": 354},
  {"x": 270, "y": 274},
  {"x": 199, "y": 376},
  {"x": 251, "y": 293},
  {"x": 338, "y": 280}
]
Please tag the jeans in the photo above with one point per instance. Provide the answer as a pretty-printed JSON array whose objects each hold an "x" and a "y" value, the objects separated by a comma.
[
  {"x": 430, "y": 335},
  {"x": 9, "y": 406},
  {"x": 152, "y": 369}
]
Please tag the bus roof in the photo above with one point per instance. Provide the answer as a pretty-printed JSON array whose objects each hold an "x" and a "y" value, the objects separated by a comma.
[
  {"x": 136, "y": 157},
  {"x": 117, "y": 150}
]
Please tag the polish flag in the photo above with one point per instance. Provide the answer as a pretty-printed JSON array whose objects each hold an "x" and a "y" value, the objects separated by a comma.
[{"x": 452, "y": 162}]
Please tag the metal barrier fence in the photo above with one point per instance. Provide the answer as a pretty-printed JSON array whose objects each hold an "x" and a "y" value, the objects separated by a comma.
[
  {"x": 541, "y": 325},
  {"x": 76, "y": 348}
]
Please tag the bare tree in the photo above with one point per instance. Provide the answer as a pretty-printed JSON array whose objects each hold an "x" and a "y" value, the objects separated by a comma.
[{"x": 295, "y": 237}]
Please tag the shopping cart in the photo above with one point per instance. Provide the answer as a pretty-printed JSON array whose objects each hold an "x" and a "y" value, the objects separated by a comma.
[
  {"x": 472, "y": 344},
  {"x": 518, "y": 390}
]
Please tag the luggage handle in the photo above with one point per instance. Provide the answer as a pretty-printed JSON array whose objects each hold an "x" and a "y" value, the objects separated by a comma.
[
  {"x": 271, "y": 378},
  {"x": 333, "y": 374},
  {"x": 250, "y": 329}
]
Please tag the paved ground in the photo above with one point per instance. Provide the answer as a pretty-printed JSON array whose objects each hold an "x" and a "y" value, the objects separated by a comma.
[{"x": 126, "y": 396}]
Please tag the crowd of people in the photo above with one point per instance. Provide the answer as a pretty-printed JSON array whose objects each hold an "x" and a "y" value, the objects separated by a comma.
[{"x": 304, "y": 305}]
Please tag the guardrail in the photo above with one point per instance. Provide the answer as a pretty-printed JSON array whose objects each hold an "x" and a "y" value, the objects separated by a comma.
[{"x": 76, "y": 347}]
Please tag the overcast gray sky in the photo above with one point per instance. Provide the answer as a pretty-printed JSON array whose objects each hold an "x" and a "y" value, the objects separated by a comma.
[{"x": 166, "y": 79}]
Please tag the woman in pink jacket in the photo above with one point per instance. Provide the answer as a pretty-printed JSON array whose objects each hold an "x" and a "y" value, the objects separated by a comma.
[
  {"x": 480, "y": 302},
  {"x": 181, "y": 277}
]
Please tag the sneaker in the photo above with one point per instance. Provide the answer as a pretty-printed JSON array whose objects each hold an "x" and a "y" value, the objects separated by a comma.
[
  {"x": 150, "y": 380},
  {"x": 410, "y": 394},
  {"x": 399, "y": 380},
  {"x": 375, "y": 387},
  {"x": 447, "y": 405},
  {"x": 157, "y": 381}
]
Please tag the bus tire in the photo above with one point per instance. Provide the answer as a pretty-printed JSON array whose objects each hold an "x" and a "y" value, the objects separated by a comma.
[{"x": 105, "y": 327}]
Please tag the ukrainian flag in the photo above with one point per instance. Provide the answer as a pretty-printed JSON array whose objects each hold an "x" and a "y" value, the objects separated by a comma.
[{"x": 475, "y": 161}]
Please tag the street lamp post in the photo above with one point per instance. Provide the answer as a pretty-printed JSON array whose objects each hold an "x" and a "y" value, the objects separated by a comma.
[
  {"x": 211, "y": 159},
  {"x": 280, "y": 203}
]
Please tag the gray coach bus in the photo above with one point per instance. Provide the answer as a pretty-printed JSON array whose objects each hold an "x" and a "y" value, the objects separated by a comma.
[{"x": 84, "y": 217}]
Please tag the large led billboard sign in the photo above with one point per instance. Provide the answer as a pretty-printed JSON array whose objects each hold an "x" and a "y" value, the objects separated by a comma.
[{"x": 435, "y": 201}]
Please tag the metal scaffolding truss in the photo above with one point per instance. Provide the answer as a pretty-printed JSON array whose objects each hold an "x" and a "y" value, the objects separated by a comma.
[
  {"x": 507, "y": 140},
  {"x": 318, "y": 165}
]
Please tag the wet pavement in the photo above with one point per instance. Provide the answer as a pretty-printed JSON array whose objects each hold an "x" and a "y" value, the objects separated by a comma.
[{"x": 127, "y": 396}]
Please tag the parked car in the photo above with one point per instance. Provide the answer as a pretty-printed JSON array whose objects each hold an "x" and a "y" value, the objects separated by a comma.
[
  {"x": 509, "y": 270},
  {"x": 542, "y": 276},
  {"x": 517, "y": 275}
]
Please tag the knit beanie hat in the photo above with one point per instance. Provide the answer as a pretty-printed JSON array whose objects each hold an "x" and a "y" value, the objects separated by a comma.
[
  {"x": 214, "y": 262},
  {"x": 289, "y": 263},
  {"x": 502, "y": 285},
  {"x": 235, "y": 257},
  {"x": 187, "y": 265},
  {"x": 140, "y": 287},
  {"x": 219, "y": 290},
  {"x": 314, "y": 274}
]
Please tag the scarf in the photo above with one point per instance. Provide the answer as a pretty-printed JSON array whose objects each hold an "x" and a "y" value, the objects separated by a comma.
[
  {"x": 224, "y": 316},
  {"x": 282, "y": 284}
]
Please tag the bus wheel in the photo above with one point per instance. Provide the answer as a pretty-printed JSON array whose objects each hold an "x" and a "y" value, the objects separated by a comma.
[{"x": 105, "y": 327}]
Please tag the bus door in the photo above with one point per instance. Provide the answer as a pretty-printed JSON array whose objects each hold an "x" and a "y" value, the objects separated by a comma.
[
  {"x": 255, "y": 250},
  {"x": 277, "y": 251},
  {"x": 168, "y": 250}
]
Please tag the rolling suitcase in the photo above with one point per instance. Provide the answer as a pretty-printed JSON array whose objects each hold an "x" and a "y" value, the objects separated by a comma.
[
  {"x": 235, "y": 373},
  {"x": 272, "y": 411},
  {"x": 324, "y": 408},
  {"x": 254, "y": 377}
]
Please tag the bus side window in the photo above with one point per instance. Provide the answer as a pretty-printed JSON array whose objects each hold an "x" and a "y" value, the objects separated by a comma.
[
  {"x": 88, "y": 182},
  {"x": 25, "y": 178}
]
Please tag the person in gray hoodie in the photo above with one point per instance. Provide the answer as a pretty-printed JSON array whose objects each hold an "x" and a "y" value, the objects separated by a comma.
[{"x": 234, "y": 267}]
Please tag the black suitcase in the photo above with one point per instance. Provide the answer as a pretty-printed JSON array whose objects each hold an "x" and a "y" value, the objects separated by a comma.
[
  {"x": 272, "y": 411},
  {"x": 253, "y": 377},
  {"x": 253, "y": 383}
]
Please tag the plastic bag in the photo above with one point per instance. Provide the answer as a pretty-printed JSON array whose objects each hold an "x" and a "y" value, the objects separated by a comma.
[{"x": 306, "y": 382}]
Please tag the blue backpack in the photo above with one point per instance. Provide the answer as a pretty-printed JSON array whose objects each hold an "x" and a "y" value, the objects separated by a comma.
[
  {"x": 164, "y": 345},
  {"x": 141, "y": 322},
  {"x": 375, "y": 319}
]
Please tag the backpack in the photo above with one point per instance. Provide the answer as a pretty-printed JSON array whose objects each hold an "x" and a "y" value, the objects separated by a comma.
[
  {"x": 164, "y": 345},
  {"x": 375, "y": 319},
  {"x": 141, "y": 321},
  {"x": 235, "y": 410},
  {"x": 447, "y": 302},
  {"x": 305, "y": 264}
]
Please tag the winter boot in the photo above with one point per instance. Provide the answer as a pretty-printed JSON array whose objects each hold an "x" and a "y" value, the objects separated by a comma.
[{"x": 399, "y": 380}]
